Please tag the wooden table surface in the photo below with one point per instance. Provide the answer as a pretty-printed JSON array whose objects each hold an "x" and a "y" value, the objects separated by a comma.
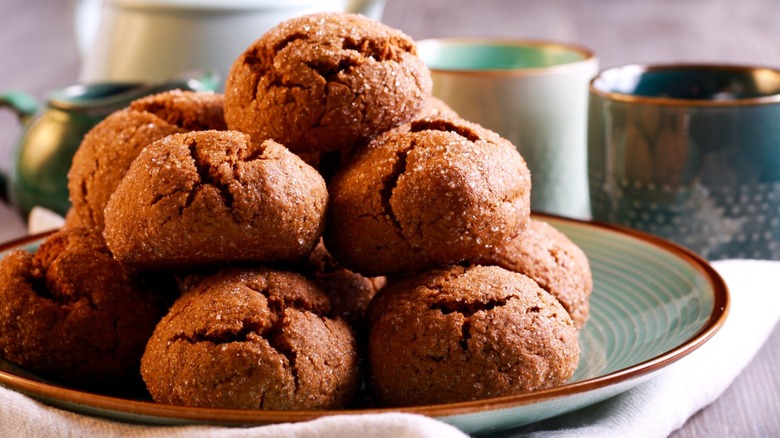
[{"x": 38, "y": 53}]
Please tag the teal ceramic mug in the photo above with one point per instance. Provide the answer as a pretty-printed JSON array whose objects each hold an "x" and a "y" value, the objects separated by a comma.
[
  {"x": 51, "y": 133},
  {"x": 690, "y": 153},
  {"x": 534, "y": 94}
]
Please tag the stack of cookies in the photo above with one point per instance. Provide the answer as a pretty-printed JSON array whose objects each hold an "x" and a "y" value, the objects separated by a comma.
[{"x": 323, "y": 224}]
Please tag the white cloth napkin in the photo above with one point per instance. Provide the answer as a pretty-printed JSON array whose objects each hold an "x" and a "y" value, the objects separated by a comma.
[
  {"x": 654, "y": 409},
  {"x": 662, "y": 405},
  {"x": 41, "y": 220}
]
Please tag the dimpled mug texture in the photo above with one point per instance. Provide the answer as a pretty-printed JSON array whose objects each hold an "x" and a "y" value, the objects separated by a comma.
[
  {"x": 690, "y": 153},
  {"x": 534, "y": 94}
]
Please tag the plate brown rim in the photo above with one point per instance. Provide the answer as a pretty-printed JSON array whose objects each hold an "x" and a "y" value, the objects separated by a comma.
[{"x": 194, "y": 415}]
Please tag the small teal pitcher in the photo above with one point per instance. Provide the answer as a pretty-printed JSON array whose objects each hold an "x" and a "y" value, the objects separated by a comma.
[{"x": 51, "y": 133}]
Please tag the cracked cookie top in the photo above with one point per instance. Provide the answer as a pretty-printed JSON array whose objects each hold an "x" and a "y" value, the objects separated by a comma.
[
  {"x": 210, "y": 197},
  {"x": 71, "y": 312},
  {"x": 442, "y": 192},
  {"x": 107, "y": 150},
  {"x": 325, "y": 82},
  {"x": 349, "y": 292},
  {"x": 466, "y": 333},
  {"x": 556, "y": 263},
  {"x": 252, "y": 339}
]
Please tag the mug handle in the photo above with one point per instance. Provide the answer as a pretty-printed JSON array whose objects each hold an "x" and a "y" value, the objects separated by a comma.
[{"x": 24, "y": 106}]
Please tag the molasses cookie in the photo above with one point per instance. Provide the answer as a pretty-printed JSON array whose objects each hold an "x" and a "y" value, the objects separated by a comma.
[
  {"x": 325, "y": 82},
  {"x": 209, "y": 197},
  {"x": 557, "y": 264},
  {"x": 72, "y": 219},
  {"x": 349, "y": 292},
  {"x": 328, "y": 163},
  {"x": 189, "y": 110},
  {"x": 108, "y": 149},
  {"x": 467, "y": 333},
  {"x": 436, "y": 107},
  {"x": 443, "y": 192},
  {"x": 73, "y": 314},
  {"x": 252, "y": 339}
]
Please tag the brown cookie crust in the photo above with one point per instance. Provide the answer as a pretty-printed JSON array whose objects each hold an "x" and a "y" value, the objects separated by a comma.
[
  {"x": 252, "y": 339},
  {"x": 434, "y": 108},
  {"x": 104, "y": 156},
  {"x": 107, "y": 150},
  {"x": 467, "y": 333},
  {"x": 74, "y": 314},
  {"x": 189, "y": 110},
  {"x": 556, "y": 263},
  {"x": 349, "y": 292},
  {"x": 443, "y": 192},
  {"x": 324, "y": 82},
  {"x": 210, "y": 197}
]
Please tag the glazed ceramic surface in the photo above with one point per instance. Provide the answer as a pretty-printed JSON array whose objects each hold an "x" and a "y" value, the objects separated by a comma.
[
  {"x": 52, "y": 132},
  {"x": 153, "y": 40},
  {"x": 653, "y": 303},
  {"x": 533, "y": 93},
  {"x": 690, "y": 153}
]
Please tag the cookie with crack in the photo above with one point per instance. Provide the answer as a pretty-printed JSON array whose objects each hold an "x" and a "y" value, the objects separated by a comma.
[
  {"x": 72, "y": 313},
  {"x": 556, "y": 263},
  {"x": 208, "y": 197},
  {"x": 467, "y": 333},
  {"x": 107, "y": 150},
  {"x": 252, "y": 339},
  {"x": 324, "y": 82},
  {"x": 349, "y": 292},
  {"x": 443, "y": 191},
  {"x": 328, "y": 163}
]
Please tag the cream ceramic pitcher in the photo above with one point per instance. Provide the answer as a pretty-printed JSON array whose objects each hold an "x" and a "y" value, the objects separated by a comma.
[{"x": 153, "y": 40}]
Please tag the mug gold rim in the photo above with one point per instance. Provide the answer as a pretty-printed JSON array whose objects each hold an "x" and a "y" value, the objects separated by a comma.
[
  {"x": 587, "y": 54},
  {"x": 669, "y": 101}
]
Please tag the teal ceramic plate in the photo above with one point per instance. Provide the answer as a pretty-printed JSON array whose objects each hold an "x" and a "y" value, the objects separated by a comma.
[{"x": 653, "y": 303}]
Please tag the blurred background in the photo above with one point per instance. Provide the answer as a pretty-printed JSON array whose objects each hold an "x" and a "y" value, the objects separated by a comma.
[{"x": 619, "y": 31}]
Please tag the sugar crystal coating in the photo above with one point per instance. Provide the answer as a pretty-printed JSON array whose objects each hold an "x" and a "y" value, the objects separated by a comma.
[
  {"x": 556, "y": 263},
  {"x": 467, "y": 333},
  {"x": 325, "y": 82},
  {"x": 72, "y": 313},
  {"x": 105, "y": 153},
  {"x": 252, "y": 339},
  {"x": 443, "y": 191},
  {"x": 207, "y": 197}
]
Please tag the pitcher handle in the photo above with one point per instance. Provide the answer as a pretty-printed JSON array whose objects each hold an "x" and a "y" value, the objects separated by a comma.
[
  {"x": 21, "y": 103},
  {"x": 24, "y": 106}
]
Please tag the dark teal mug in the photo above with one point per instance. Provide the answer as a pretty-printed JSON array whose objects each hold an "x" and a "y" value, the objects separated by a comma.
[
  {"x": 690, "y": 153},
  {"x": 52, "y": 132}
]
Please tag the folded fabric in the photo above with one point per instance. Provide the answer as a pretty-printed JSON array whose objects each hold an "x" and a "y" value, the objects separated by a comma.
[
  {"x": 23, "y": 417},
  {"x": 41, "y": 220},
  {"x": 653, "y": 409},
  {"x": 663, "y": 404}
]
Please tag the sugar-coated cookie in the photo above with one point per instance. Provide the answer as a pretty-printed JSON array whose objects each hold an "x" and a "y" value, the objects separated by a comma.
[
  {"x": 107, "y": 150},
  {"x": 442, "y": 192},
  {"x": 252, "y": 339},
  {"x": 467, "y": 333},
  {"x": 324, "y": 82},
  {"x": 556, "y": 263},
  {"x": 210, "y": 197},
  {"x": 73, "y": 314}
]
